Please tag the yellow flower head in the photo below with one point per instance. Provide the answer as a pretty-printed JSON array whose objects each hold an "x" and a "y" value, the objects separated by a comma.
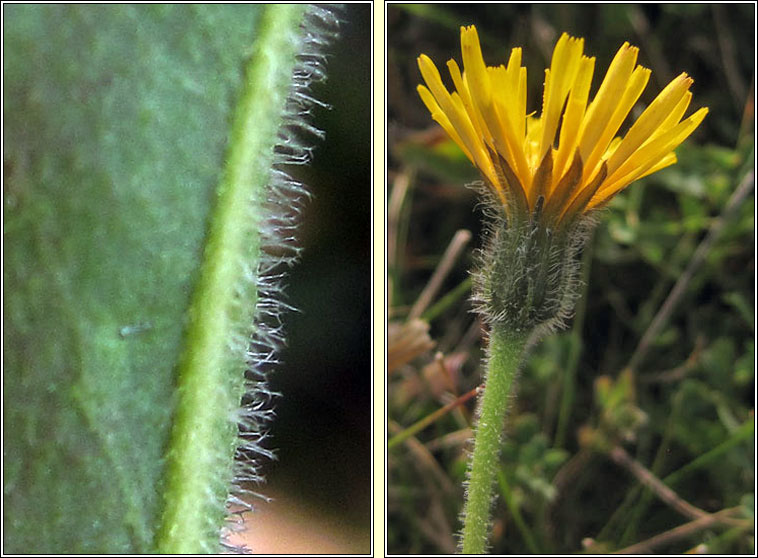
[{"x": 486, "y": 116}]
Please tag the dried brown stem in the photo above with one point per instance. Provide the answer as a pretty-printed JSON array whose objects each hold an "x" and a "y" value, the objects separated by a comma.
[
  {"x": 434, "y": 524},
  {"x": 432, "y": 418},
  {"x": 679, "y": 372},
  {"x": 399, "y": 191},
  {"x": 683, "y": 531},
  {"x": 425, "y": 460},
  {"x": 663, "y": 492},
  {"x": 461, "y": 238}
]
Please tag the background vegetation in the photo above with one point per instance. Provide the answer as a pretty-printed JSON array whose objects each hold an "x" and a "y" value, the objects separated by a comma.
[{"x": 639, "y": 419}]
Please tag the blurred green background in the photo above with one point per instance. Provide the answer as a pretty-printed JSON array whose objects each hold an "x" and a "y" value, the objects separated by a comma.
[{"x": 687, "y": 400}]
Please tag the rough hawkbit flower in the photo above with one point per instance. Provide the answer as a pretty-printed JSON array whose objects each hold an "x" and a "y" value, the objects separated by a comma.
[{"x": 545, "y": 175}]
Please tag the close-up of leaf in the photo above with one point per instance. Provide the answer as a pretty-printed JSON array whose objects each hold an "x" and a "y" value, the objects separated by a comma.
[{"x": 145, "y": 215}]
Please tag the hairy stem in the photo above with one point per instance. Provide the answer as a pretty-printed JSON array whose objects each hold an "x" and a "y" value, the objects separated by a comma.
[
  {"x": 505, "y": 356},
  {"x": 207, "y": 396}
]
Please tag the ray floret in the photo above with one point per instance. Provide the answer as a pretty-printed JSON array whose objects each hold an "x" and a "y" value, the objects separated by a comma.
[{"x": 570, "y": 156}]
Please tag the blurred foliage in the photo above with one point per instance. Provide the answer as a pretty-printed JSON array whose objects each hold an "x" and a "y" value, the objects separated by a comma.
[{"x": 684, "y": 410}]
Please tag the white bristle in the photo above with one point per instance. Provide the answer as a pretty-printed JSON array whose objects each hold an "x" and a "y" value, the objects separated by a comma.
[{"x": 283, "y": 205}]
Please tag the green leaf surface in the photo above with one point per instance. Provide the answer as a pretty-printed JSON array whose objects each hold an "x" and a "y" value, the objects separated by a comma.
[{"x": 120, "y": 122}]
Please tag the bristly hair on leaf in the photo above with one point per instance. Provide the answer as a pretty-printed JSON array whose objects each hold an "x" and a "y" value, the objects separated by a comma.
[{"x": 279, "y": 249}]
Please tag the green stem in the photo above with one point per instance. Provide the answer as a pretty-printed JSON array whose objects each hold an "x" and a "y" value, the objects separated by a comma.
[
  {"x": 505, "y": 356},
  {"x": 201, "y": 447}
]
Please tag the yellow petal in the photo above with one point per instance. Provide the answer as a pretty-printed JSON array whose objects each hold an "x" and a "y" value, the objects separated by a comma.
[
  {"x": 673, "y": 118},
  {"x": 665, "y": 161},
  {"x": 558, "y": 80},
  {"x": 461, "y": 85},
  {"x": 650, "y": 120},
  {"x": 650, "y": 155},
  {"x": 486, "y": 116},
  {"x": 496, "y": 124},
  {"x": 573, "y": 115},
  {"x": 602, "y": 107},
  {"x": 478, "y": 81},
  {"x": 473, "y": 62},
  {"x": 443, "y": 120},
  {"x": 519, "y": 118},
  {"x": 636, "y": 84},
  {"x": 458, "y": 117}
]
